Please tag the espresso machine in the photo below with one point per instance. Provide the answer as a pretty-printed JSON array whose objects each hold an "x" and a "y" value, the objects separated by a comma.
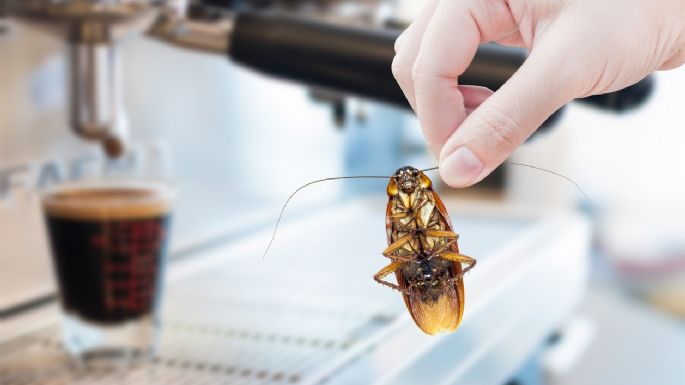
[
  {"x": 228, "y": 316},
  {"x": 348, "y": 59}
]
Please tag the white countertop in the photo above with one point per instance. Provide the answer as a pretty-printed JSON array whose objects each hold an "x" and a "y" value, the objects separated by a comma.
[{"x": 312, "y": 311}]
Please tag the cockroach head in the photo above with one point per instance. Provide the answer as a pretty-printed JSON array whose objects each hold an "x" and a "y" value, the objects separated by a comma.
[{"x": 407, "y": 178}]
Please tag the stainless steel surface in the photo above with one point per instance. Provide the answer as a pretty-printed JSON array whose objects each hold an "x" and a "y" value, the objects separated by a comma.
[
  {"x": 96, "y": 111},
  {"x": 311, "y": 313},
  {"x": 204, "y": 36},
  {"x": 71, "y": 14},
  {"x": 92, "y": 29}
]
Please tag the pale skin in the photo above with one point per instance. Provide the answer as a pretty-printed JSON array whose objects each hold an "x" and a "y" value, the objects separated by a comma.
[{"x": 577, "y": 48}]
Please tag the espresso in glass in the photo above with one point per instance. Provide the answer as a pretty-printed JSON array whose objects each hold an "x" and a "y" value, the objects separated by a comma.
[{"x": 108, "y": 243}]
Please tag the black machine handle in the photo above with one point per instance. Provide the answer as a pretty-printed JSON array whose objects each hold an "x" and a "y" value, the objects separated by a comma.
[{"x": 357, "y": 60}]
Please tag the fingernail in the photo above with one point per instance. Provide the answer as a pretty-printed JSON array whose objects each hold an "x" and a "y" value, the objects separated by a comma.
[{"x": 461, "y": 167}]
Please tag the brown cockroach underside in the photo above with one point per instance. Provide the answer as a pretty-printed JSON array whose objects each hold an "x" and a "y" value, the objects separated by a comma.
[{"x": 424, "y": 253}]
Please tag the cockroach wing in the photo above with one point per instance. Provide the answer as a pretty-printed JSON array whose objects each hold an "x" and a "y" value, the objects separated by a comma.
[
  {"x": 445, "y": 314},
  {"x": 456, "y": 266},
  {"x": 442, "y": 210}
]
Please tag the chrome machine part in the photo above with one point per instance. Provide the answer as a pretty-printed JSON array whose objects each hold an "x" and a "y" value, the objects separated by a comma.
[
  {"x": 94, "y": 89},
  {"x": 92, "y": 29},
  {"x": 210, "y": 36}
]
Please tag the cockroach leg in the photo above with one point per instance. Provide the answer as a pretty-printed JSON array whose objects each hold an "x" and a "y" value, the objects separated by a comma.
[
  {"x": 442, "y": 248},
  {"x": 441, "y": 234},
  {"x": 399, "y": 215},
  {"x": 395, "y": 246},
  {"x": 403, "y": 258},
  {"x": 384, "y": 272},
  {"x": 444, "y": 240},
  {"x": 456, "y": 257}
]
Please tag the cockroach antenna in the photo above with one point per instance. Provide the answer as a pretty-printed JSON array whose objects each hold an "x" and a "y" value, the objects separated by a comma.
[
  {"x": 287, "y": 201},
  {"x": 539, "y": 169},
  {"x": 278, "y": 221},
  {"x": 554, "y": 173}
]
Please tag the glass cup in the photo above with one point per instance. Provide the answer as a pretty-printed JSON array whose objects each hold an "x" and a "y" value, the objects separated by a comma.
[{"x": 108, "y": 242}]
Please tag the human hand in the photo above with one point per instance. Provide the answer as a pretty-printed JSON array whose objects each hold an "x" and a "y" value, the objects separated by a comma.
[{"x": 577, "y": 48}]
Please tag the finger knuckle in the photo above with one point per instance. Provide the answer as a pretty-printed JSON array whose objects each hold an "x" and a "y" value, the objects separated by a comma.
[
  {"x": 503, "y": 131},
  {"x": 418, "y": 71},
  {"x": 425, "y": 73},
  {"x": 399, "y": 70},
  {"x": 421, "y": 77}
]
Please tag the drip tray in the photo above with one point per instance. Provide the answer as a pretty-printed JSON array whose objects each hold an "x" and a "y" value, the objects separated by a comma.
[{"x": 310, "y": 312}]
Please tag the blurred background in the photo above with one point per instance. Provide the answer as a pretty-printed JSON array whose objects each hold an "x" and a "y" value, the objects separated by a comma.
[{"x": 567, "y": 290}]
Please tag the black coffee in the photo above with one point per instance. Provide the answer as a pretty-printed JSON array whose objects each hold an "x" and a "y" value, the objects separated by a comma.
[{"x": 108, "y": 246}]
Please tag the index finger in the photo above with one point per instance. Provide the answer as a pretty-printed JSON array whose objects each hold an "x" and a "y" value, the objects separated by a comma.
[{"x": 447, "y": 48}]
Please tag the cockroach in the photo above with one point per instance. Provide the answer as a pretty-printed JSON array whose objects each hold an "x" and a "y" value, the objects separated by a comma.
[
  {"x": 422, "y": 248},
  {"x": 424, "y": 255}
]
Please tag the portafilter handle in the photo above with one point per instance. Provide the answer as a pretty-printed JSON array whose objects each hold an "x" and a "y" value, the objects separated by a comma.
[{"x": 358, "y": 60}]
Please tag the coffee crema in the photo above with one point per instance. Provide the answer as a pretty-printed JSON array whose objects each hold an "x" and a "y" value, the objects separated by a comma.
[{"x": 103, "y": 202}]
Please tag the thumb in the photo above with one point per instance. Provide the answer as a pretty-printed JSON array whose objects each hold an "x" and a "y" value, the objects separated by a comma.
[{"x": 506, "y": 119}]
